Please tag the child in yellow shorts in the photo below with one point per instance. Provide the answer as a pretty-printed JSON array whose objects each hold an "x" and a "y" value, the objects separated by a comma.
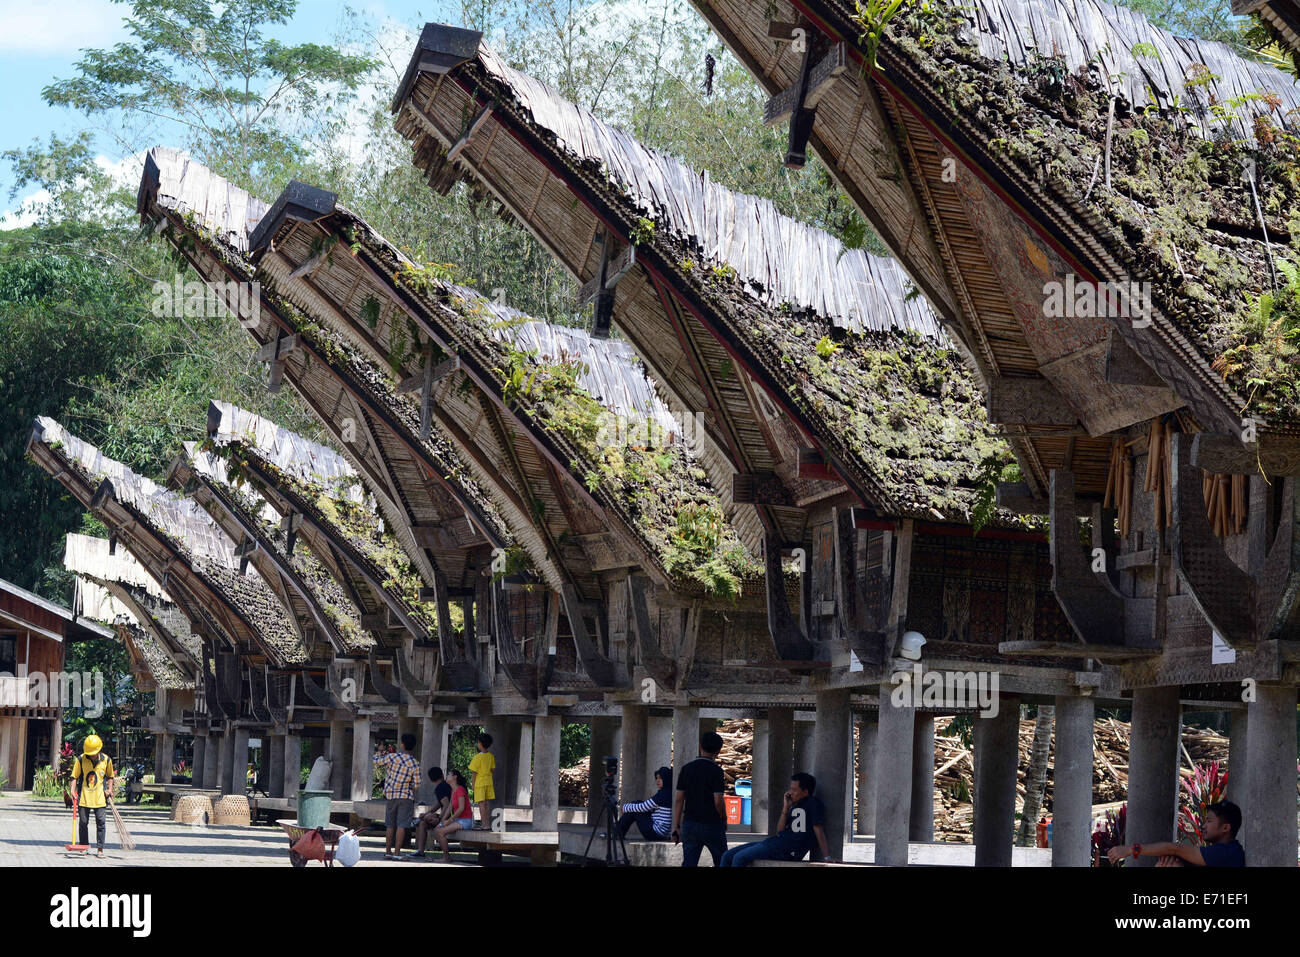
[{"x": 481, "y": 766}]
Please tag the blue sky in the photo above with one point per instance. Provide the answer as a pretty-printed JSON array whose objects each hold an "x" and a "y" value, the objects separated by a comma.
[{"x": 40, "y": 42}]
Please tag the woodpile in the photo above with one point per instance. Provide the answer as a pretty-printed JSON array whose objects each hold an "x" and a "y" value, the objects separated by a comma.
[{"x": 954, "y": 768}]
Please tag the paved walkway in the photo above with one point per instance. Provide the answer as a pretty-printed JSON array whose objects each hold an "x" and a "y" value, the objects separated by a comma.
[{"x": 33, "y": 834}]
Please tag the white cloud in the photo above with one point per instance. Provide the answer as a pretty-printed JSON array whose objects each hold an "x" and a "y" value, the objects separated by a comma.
[
  {"x": 51, "y": 29},
  {"x": 123, "y": 173}
]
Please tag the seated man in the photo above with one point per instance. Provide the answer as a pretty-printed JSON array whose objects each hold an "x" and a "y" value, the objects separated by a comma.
[
  {"x": 439, "y": 811},
  {"x": 802, "y": 817},
  {"x": 1221, "y": 849}
]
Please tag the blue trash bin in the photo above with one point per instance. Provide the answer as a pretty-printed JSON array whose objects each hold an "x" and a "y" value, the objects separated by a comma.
[{"x": 745, "y": 790}]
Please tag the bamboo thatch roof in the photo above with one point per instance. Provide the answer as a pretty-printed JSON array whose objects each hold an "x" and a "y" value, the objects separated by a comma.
[
  {"x": 757, "y": 302},
  {"x": 176, "y": 542},
  {"x": 999, "y": 119}
]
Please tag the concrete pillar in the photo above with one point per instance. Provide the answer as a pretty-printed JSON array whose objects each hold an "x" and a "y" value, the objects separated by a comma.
[
  {"x": 523, "y": 792},
  {"x": 239, "y": 763},
  {"x": 212, "y": 762},
  {"x": 602, "y": 746},
  {"x": 407, "y": 725},
  {"x": 227, "y": 758},
  {"x": 686, "y": 737},
  {"x": 433, "y": 753},
  {"x": 805, "y": 746},
  {"x": 834, "y": 730},
  {"x": 761, "y": 775},
  {"x": 1153, "y": 767},
  {"x": 340, "y": 781},
  {"x": 868, "y": 727},
  {"x": 997, "y": 755},
  {"x": 920, "y": 823},
  {"x": 163, "y": 751},
  {"x": 1238, "y": 769},
  {"x": 1270, "y": 827},
  {"x": 200, "y": 763},
  {"x": 658, "y": 746},
  {"x": 56, "y": 744},
  {"x": 291, "y": 781},
  {"x": 780, "y": 763},
  {"x": 1072, "y": 782},
  {"x": 896, "y": 729},
  {"x": 273, "y": 761},
  {"x": 546, "y": 772},
  {"x": 363, "y": 770},
  {"x": 633, "y": 757}
]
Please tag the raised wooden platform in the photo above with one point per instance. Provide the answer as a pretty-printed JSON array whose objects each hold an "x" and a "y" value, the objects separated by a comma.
[{"x": 542, "y": 848}]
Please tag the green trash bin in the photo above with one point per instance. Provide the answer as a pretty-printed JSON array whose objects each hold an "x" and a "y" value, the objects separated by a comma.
[{"x": 314, "y": 808}]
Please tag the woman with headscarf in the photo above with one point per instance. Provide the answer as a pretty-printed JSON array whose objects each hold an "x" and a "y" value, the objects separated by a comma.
[{"x": 655, "y": 816}]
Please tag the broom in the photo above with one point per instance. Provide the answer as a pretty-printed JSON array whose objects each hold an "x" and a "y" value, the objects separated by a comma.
[
  {"x": 74, "y": 846},
  {"x": 123, "y": 835}
]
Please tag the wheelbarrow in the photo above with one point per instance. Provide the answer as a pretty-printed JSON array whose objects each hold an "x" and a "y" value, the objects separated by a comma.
[{"x": 330, "y": 832}]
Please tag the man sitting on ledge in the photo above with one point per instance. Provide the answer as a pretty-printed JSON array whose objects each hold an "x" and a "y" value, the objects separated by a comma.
[
  {"x": 1222, "y": 822},
  {"x": 802, "y": 817}
]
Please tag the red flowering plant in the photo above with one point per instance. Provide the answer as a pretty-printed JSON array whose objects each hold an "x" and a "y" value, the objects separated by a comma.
[
  {"x": 1200, "y": 787},
  {"x": 1109, "y": 833}
]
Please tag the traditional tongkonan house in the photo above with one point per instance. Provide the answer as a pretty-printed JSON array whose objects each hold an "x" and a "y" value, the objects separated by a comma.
[
  {"x": 1281, "y": 17},
  {"x": 1098, "y": 210},
  {"x": 33, "y": 690},
  {"x": 112, "y": 588},
  {"x": 836, "y": 415}
]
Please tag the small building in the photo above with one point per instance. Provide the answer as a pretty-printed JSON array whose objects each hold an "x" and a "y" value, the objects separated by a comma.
[{"x": 32, "y": 635}]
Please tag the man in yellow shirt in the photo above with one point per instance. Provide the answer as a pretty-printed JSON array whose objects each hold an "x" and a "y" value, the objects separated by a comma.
[
  {"x": 92, "y": 777},
  {"x": 481, "y": 766}
]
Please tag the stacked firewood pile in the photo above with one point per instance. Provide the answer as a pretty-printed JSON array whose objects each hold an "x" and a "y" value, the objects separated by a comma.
[{"x": 954, "y": 769}]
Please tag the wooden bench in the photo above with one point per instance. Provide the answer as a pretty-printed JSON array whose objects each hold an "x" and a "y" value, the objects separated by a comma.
[
  {"x": 542, "y": 848},
  {"x": 807, "y": 864}
]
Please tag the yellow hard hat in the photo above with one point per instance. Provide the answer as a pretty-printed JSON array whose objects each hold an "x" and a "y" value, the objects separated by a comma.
[{"x": 93, "y": 745}]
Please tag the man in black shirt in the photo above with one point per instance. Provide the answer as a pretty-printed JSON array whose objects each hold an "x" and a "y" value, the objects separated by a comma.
[
  {"x": 1221, "y": 849},
  {"x": 699, "y": 820},
  {"x": 439, "y": 812},
  {"x": 803, "y": 816}
]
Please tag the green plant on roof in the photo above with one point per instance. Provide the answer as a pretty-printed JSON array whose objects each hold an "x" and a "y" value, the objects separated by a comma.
[
  {"x": 643, "y": 233},
  {"x": 1266, "y": 341},
  {"x": 370, "y": 312},
  {"x": 826, "y": 348},
  {"x": 873, "y": 16},
  {"x": 1144, "y": 49}
]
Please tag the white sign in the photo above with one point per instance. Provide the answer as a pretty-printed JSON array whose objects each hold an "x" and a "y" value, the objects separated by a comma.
[
  {"x": 1221, "y": 653},
  {"x": 855, "y": 664}
]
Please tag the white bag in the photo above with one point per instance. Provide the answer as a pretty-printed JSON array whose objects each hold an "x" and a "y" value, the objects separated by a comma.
[
  {"x": 349, "y": 850},
  {"x": 319, "y": 778}
]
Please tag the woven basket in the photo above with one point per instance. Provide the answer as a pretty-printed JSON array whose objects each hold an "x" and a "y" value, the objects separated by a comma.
[
  {"x": 231, "y": 811},
  {"x": 193, "y": 809}
]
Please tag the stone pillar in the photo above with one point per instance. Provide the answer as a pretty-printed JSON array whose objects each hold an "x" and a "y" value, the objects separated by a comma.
[
  {"x": 780, "y": 763},
  {"x": 56, "y": 744},
  {"x": 340, "y": 782},
  {"x": 239, "y": 762},
  {"x": 407, "y": 725},
  {"x": 227, "y": 758},
  {"x": 363, "y": 770},
  {"x": 633, "y": 758},
  {"x": 546, "y": 772},
  {"x": 1270, "y": 827},
  {"x": 896, "y": 729},
  {"x": 658, "y": 746},
  {"x": 433, "y": 753},
  {"x": 1238, "y": 769},
  {"x": 920, "y": 823},
  {"x": 200, "y": 763},
  {"x": 291, "y": 780},
  {"x": 805, "y": 746},
  {"x": 1153, "y": 768},
  {"x": 273, "y": 761},
  {"x": 834, "y": 731},
  {"x": 163, "y": 751},
  {"x": 505, "y": 747},
  {"x": 602, "y": 746},
  {"x": 761, "y": 774},
  {"x": 1072, "y": 782},
  {"x": 523, "y": 792},
  {"x": 997, "y": 750},
  {"x": 868, "y": 728},
  {"x": 686, "y": 737}
]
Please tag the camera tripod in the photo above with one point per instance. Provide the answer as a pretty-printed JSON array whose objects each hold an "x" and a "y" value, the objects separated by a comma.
[{"x": 615, "y": 846}]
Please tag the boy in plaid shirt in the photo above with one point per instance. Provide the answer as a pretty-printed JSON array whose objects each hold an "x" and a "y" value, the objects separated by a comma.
[{"x": 401, "y": 778}]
